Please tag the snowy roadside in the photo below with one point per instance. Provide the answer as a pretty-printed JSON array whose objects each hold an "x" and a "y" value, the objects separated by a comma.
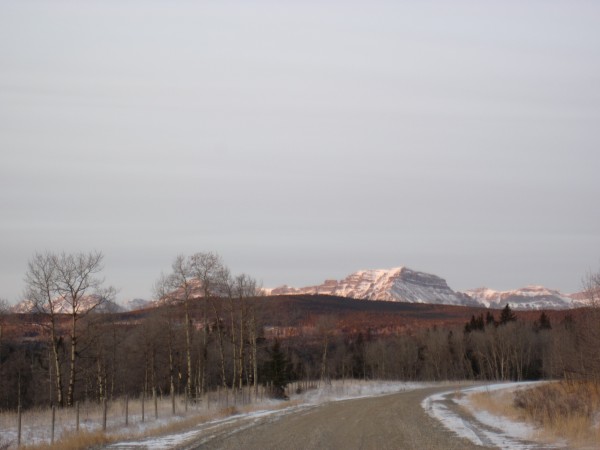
[
  {"x": 336, "y": 391},
  {"x": 199, "y": 427},
  {"x": 486, "y": 429}
]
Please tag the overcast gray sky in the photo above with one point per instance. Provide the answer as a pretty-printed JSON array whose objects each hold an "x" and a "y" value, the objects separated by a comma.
[{"x": 303, "y": 140}]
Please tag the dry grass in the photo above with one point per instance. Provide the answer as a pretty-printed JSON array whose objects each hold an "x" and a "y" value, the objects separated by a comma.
[
  {"x": 36, "y": 430},
  {"x": 560, "y": 411},
  {"x": 570, "y": 410},
  {"x": 87, "y": 440},
  {"x": 77, "y": 441},
  {"x": 497, "y": 402},
  {"x": 36, "y": 422}
]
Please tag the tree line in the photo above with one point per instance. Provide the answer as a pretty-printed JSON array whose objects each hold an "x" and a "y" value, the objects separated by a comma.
[{"x": 208, "y": 332}]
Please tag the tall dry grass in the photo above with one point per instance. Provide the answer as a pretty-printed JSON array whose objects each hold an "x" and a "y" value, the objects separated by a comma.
[
  {"x": 569, "y": 410},
  {"x": 75, "y": 441},
  {"x": 497, "y": 402},
  {"x": 564, "y": 411},
  {"x": 214, "y": 405},
  {"x": 37, "y": 429}
]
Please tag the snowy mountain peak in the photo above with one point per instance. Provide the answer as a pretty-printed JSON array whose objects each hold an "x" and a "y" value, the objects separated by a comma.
[
  {"x": 61, "y": 306},
  {"x": 528, "y": 297},
  {"x": 136, "y": 304},
  {"x": 399, "y": 284}
]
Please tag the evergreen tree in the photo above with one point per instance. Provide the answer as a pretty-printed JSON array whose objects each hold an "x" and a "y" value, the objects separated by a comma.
[
  {"x": 507, "y": 315},
  {"x": 358, "y": 357},
  {"x": 543, "y": 323},
  {"x": 475, "y": 324},
  {"x": 479, "y": 323},
  {"x": 277, "y": 370}
]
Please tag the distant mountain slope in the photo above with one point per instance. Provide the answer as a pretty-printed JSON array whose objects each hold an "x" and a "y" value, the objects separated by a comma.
[
  {"x": 136, "y": 304},
  {"x": 400, "y": 284},
  {"x": 530, "y": 297},
  {"x": 63, "y": 307}
]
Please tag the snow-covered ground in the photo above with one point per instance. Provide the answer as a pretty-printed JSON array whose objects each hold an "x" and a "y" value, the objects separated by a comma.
[
  {"x": 486, "y": 428},
  {"x": 335, "y": 391},
  {"x": 213, "y": 413},
  {"x": 37, "y": 429},
  {"x": 483, "y": 429}
]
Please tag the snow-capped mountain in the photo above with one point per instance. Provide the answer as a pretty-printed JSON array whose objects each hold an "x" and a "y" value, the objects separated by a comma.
[
  {"x": 63, "y": 307},
  {"x": 400, "y": 284},
  {"x": 135, "y": 304},
  {"x": 530, "y": 297}
]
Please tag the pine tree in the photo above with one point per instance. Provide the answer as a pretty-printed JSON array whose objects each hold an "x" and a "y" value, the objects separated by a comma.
[
  {"x": 475, "y": 324},
  {"x": 277, "y": 370},
  {"x": 507, "y": 315},
  {"x": 543, "y": 323}
]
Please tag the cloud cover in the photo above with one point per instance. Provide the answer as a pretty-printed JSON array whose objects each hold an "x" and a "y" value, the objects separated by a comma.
[{"x": 303, "y": 140}]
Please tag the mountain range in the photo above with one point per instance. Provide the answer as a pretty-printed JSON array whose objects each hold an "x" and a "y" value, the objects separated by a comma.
[
  {"x": 402, "y": 284},
  {"x": 61, "y": 306},
  {"x": 399, "y": 284}
]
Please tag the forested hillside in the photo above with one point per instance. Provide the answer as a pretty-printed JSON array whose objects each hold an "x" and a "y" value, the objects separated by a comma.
[{"x": 214, "y": 330}]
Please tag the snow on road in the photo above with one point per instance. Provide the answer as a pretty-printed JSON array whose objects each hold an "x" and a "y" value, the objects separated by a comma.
[
  {"x": 336, "y": 391},
  {"x": 484, "y": 428}
]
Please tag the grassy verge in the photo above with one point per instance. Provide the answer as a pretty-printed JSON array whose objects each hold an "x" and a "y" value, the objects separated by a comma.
[
  {"x": 568, "y": 411},
  {"x": 87, "y": 440},
  {"x": 76, "y": 441},
  {"x": 216, "y": 405},
  {"x": 94, "y": 439}
]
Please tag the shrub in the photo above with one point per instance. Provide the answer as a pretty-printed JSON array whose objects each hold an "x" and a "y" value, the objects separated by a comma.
[
  {"x": 551, "y": 403},
  {"x": 565, "y": 409}
]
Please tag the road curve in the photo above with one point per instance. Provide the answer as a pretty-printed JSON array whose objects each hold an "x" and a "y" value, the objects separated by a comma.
[{"x": 395, "y": 421}]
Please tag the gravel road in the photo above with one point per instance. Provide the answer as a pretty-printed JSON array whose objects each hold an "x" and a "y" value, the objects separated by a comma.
[{"x": 395, "y": 421}]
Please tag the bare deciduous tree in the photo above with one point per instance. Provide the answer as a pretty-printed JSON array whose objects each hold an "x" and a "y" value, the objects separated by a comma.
[
  {"x": 180, "y": 286},
  {"x": 41, "y": 291},
  {"x": 591, "y": 286},
  {"x": 77, "y": 284},
  {"x": 207, "y": 268},
  {"x": 589, "y": 330},
  {"x": 326, "y": 326},
  {"x": 4, "y": 309},
  {"x": 71, "y": 281},
  {"x": 241, "y": 288}
]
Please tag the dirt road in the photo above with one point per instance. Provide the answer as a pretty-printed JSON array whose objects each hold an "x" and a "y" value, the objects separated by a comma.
[{"x": 394, "y": 421}]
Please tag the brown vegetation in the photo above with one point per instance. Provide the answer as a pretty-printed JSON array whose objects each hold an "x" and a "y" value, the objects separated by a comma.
[
  {"x": 145, "y": 352},
  {"x": 569, "y": 410},
  {"x": 222, "y": 333},
  {"x": 75, "y": 441}
]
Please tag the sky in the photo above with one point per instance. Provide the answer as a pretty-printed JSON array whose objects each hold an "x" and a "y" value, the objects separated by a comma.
[{"x": 303, "y": 140}]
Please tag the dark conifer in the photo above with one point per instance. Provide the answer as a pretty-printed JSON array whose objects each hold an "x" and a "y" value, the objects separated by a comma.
[
  {"x": 278, "y": 370},
  {"x": 543, "y": 323},
  {"x": 507, "y": 315}
]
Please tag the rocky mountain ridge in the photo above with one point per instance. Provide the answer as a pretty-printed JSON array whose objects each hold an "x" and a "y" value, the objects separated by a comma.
[
  {"x": 61, "y": 306},
  {"x": 529, "y": 297},
  {"x": 399, "y": 284},
  {"x": 402, "y": 284}
]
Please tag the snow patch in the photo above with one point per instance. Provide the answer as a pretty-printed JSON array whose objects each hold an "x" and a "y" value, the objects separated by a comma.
[
  {"x": 487, "y": 429},
  {"x": 336, "y": 391}
]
